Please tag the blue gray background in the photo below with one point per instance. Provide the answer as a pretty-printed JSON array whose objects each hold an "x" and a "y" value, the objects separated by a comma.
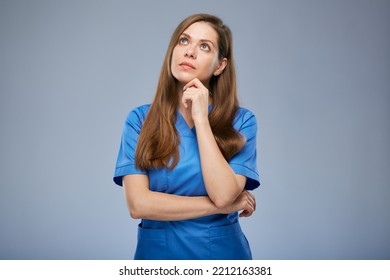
[{"x": 315, "y": 73}]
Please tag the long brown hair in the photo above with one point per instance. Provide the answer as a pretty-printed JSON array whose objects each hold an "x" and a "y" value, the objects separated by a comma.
[{"x": 158, "y": 141}]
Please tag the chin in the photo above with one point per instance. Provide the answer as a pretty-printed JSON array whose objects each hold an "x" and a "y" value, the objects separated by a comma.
[{"x": 184, "y": 79}]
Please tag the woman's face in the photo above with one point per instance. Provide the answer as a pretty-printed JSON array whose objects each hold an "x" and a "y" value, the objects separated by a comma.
[{"x": 196, "y": 54}]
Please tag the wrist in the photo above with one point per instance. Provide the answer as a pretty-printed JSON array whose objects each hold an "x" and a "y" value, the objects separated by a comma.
[{"x": 204, "y": 121}]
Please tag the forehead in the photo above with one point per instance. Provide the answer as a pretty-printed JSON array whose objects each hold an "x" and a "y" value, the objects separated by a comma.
[{"x": 202, "y": 31}]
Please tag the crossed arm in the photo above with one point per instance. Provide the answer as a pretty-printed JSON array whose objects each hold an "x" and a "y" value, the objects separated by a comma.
[
  {"x": 146, "y": 204},
  {"x": 225, "y": 189}
]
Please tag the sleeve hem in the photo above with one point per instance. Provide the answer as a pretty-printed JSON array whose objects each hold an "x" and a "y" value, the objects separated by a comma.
[
  {"x": 125, "y": 170},
  {"x": 253, "y": 179}
]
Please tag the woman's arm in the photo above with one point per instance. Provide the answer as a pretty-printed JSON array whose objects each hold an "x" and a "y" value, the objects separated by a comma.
[
  {"x": 222, "y": 184},
  {"x": 146, "y": 204}
]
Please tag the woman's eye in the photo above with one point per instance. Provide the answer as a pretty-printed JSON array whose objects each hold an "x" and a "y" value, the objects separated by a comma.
[
  {"x": 205, "y": 47},
  {"x": 183, "y": 41}
]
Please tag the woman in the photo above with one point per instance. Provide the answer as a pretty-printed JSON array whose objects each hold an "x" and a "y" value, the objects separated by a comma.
[{"x": 187, "y": 161}]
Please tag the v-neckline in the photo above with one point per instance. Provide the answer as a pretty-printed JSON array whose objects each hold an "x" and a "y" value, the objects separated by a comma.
[
  {"x": 186, "y": 125},
  {"x": 185, "y": 121}
]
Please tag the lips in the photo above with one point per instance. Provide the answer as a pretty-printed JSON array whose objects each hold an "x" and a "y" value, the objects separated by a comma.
[{"x": 187, "y": 65}]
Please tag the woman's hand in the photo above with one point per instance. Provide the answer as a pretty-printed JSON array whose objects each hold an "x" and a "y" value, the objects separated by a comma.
[
  {"x": 245, "y": 202},
  {"x": 196, "y": 99}
]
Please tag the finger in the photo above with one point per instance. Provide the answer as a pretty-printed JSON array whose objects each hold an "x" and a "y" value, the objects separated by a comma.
[
  {"x": 199, "y": 92},
  {"x": 250, "y": 203},
  {"x": 197, "y": 97},
  {"x": 194, "y": 83},
  {"x": 186, "y": 99},
  {"x": 247, "y": 197},
  {"x": 187, "y": 103},
  {"x": 253, "y": 199},
  {"x": 246, "y": 213},
  {"x": 248, "y": 210}
]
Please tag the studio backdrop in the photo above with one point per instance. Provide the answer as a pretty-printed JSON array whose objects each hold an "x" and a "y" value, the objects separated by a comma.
[{"x": 315, "y": 73}]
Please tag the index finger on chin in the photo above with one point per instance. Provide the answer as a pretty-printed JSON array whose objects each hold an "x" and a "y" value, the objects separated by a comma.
[{"x": 194, "y": 83}]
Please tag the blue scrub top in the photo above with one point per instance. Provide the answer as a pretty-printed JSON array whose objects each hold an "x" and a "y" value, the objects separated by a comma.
[{"x": 210, "y": 237}]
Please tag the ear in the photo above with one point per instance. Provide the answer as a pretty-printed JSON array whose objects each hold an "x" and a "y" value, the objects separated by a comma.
[{"x": 221, "y": 67}]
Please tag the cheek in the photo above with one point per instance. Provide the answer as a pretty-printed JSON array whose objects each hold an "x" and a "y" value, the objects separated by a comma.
[
  {"x": 174, "y": 67},
  {"x": 173, "y": 64},
  {"x": 212, "y": 65},
  {"x": 173, "y": 58}
]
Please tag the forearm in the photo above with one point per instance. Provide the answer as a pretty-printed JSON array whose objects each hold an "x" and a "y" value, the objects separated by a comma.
[
  {"x": 169, "y": 207},
  {"x": 219, "y": 178},
  {"x": 146, "y": 204},
  {"x": 222, "y": 184}
]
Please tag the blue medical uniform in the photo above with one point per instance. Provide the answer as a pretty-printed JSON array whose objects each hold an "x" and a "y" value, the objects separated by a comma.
[{"x": 211, "y": 237}]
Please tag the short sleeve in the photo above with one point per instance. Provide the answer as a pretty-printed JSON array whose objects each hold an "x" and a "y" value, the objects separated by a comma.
[
  {"x": 125, "y": 163},
  {"x": 245, "y": 161}
]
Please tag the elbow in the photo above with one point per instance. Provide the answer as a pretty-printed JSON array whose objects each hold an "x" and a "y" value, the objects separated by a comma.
[
  {"x": 135, "y": 214},
  {"x": 221, "y": 203}
]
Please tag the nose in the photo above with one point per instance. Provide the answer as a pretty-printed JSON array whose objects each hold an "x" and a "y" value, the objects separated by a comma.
[{"x": 190, "y": 52}]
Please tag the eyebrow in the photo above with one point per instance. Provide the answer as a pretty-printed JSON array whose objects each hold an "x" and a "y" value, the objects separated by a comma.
[{"x": 202, "y": 40}]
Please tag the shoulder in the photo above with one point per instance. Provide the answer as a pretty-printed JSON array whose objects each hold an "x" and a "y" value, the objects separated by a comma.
[
  {"x": 244, "y": 117},
  {"x": 136, "y": 117},
  {"x": 139, "y": 113}
]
